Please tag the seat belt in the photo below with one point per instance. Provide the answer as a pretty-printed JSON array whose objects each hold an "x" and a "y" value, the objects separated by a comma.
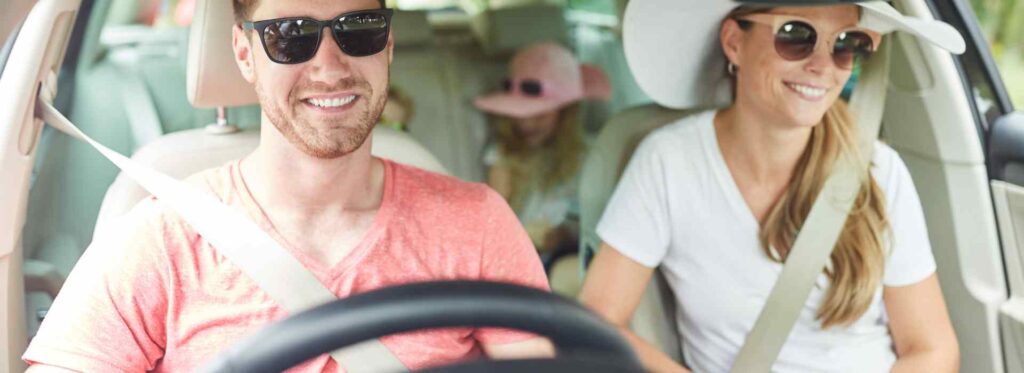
[
  {"x": 821, "y": 229},
  {"x": 242, "y": 242}
]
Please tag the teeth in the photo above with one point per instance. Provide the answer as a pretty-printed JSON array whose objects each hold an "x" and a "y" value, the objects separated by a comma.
[
  {"x": 331, "y": 103},
  {"x": 808, "y": 91}
]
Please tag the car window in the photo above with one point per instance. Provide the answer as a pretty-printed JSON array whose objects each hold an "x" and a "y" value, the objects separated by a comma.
[
  {"x": 1002, "y": 23},
  {"x": 980, "y": 74}
]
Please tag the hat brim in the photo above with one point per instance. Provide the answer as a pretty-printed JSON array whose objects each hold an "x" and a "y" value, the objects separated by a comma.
[
  {"x": 674, "y": 51},
  {"x": 882, "y": 17},
  {"x": 517, "y": 107}
]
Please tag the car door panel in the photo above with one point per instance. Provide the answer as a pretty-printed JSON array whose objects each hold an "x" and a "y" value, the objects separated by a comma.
[
  {"x": 1006, "y": 166},
  {"x": 1009, "y": 201},
  {"x": 35, "y": 57}
]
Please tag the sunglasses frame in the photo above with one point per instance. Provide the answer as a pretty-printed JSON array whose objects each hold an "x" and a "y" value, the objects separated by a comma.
[
  {"x": 511, "y": 85},
  {"x": 261, "y": 26},
  {"x": 776, "y": 21}
]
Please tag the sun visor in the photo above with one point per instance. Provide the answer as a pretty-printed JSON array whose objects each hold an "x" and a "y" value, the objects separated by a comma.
[{"x": 505, "y": 30}]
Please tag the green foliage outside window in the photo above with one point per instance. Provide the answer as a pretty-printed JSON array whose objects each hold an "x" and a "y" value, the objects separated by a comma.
[{"x": 1003, "y": 23}]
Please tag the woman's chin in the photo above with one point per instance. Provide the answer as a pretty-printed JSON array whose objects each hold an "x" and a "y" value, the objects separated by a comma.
[{"x": 806, "y": 117}]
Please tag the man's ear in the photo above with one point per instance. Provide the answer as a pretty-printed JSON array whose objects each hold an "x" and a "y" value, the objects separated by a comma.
[
  {"x": 242, "y": 46},
  {"x": 391, "y": 46},
  {"x": 731, "y": 38}
]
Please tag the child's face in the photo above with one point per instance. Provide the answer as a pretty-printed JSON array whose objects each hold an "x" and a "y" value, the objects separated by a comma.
[{"x": 538, "y": 129}]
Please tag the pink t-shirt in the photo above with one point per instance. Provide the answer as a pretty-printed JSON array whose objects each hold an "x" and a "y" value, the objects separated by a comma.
[{"x": 156, "y": 296}]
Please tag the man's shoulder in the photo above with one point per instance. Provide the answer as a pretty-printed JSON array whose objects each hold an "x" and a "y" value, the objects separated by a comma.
[
  {"x": 431, "y": 198},
  {"x": 417, "y": 181},
  {"x": 218, "y": 181},
  {"x": 156, "y": 216}
]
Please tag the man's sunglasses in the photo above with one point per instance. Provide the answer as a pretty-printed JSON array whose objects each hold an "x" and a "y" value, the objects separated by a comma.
[
  {"x": 796, "y": 39},
  {"x": 296, "y": 40},
  {"x": 528, "y": 87}
]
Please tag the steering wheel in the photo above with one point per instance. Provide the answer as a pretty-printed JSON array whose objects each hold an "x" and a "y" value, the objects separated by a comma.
[{"x": 584, "y": 341}]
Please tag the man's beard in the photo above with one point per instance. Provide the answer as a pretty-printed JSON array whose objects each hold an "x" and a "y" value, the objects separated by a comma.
[{"x": 334, "y": 140}]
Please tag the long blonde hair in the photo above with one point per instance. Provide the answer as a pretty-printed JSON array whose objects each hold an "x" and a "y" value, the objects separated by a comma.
[
  {"x": 857, "y": 262},
  {"x": 556, "y": 162}
]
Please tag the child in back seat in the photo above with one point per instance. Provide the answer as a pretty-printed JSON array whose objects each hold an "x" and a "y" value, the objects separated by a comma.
[{"x": 536, "y": 160}]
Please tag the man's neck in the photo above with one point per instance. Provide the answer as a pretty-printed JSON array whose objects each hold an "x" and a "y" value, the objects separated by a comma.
[{"x": 283, "y": 178}]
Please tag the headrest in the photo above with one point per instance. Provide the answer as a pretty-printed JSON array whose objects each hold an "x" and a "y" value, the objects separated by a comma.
[
  {"x": 503, "y": 31},
  {"x": 213, "y": 76}
]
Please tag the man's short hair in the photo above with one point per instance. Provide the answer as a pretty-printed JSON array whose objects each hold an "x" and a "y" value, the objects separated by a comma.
[{"x": 244, "y": 9}]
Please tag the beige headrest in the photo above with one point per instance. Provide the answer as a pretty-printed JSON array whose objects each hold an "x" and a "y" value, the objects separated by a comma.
[
  {"x": 213, "y": 76},
  {"x": 503, "y": 31}
]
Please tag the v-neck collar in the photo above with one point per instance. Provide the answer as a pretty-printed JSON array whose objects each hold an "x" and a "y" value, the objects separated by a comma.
[
  {"x": 327, "y": 273},
  {"x": 722, "y": 173}
]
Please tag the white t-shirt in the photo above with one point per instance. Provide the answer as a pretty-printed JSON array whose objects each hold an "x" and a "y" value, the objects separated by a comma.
[{"x": 677, "y": 206}]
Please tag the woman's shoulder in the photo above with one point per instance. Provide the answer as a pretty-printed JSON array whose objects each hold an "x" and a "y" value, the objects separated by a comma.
[{"x": 682, "y": 134}]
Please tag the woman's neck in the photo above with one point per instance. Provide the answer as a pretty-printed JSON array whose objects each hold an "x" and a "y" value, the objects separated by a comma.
[{"x": 760, "y": 149}]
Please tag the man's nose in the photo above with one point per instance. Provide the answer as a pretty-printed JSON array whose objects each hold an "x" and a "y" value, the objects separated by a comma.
[{"x": 329, "y": 64}]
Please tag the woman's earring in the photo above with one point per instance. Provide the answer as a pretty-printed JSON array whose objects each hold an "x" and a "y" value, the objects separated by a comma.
[{"x": 731, "y": 68}]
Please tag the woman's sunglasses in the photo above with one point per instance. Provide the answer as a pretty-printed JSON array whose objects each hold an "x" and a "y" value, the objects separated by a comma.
[
  {"x": 528, "y": 87},
  {"x": 796, "y": 39},
  {"x": 296, "y": 40}
]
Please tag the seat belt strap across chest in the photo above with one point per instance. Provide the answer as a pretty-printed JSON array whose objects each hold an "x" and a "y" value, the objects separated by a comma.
[
  {"x": 821, "y": 229},
  {"x": 242, "y": 242}
]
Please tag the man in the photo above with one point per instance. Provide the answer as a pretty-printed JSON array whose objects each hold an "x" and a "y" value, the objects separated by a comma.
[{"x": 159, "y": 297}]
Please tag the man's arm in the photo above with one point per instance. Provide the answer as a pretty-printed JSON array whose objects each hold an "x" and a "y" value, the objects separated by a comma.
[
  {"x": 110, "y": 314},
  {"x": 43, "y": 368}
]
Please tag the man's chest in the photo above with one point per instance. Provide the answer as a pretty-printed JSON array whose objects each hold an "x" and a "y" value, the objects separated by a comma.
[
  {"x": 214, "y": 308},
  {"x": 328, "y": 240}
]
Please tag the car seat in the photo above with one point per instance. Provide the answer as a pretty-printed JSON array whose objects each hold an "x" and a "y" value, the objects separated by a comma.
[{"x": 655, "y": 317}]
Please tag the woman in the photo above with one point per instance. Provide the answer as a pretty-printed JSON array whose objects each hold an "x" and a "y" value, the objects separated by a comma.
[
  {"x": 717, "y": 198},
  {"x": 540, "y": 144}
]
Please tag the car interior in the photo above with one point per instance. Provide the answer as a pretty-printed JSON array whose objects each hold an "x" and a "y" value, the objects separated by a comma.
[{"x": 171, "y": 97}]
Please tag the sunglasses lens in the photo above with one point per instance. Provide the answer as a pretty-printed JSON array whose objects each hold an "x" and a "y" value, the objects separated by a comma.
[
  {"x": 291, "y": 41},
  {"x": 851, "y": 47},
  {"x": 361, "y": 35},
  {"x": 531, "y": 88},
  {"x": 795, "y": 41}
]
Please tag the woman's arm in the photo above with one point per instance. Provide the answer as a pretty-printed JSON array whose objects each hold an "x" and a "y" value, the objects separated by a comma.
[
  {"x": 921, "y": 330},
  {"x": 613, "y": 288}
]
